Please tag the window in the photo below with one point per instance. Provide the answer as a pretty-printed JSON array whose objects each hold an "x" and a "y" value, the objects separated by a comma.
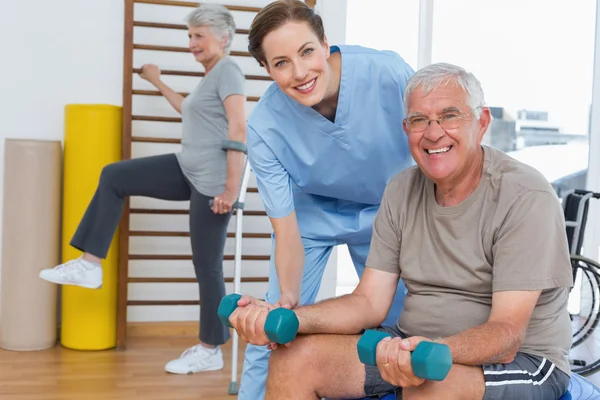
[{"x": 534, "y": 59}]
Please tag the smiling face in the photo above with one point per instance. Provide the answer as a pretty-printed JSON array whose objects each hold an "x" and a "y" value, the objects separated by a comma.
[
  {"x": 204, "y": 45},
  {"x": 445, "y": 156},
  {"x": 297, "y": 61}
]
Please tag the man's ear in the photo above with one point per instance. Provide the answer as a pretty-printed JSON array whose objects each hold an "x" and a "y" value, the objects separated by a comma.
[
  {"x": 404, "y": 126},
  {"x": 485, "y": 119}
]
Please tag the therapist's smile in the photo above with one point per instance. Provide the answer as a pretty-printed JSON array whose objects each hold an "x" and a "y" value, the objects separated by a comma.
[{"x": 307, "y": 87}]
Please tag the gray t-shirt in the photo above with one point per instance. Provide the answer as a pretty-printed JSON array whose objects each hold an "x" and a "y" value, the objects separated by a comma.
[
  {"x": 509, "y": 234},
  {"x": 205, "y": 125}
]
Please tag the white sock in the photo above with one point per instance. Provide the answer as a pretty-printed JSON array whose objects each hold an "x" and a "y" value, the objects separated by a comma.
[
  {"x": 211, "y": 350},
  {"x": 90, "y": 264}
]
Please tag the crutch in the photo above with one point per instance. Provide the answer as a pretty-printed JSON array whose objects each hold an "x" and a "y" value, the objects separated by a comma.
[{"x": 237, "y": 272}]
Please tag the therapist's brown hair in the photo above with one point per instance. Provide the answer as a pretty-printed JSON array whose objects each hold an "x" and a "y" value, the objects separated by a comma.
[{"x": 275, "y": 15}]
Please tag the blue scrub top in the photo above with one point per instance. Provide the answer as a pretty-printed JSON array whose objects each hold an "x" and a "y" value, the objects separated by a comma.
[{"x": 333, "y": 174}]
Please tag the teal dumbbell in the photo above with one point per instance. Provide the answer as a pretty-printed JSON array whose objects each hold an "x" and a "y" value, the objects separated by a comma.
[
  {"x": 281, "y": 325},
  {"x": 429, "y": 360}
]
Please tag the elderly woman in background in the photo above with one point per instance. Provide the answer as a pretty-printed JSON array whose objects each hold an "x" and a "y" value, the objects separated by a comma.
[{"x": 213, "y": 111}]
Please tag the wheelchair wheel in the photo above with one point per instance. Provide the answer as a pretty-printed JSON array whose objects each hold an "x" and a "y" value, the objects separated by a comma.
[
  {"x": 587, "y": 319},
  {"x": 585, "y": 350}
]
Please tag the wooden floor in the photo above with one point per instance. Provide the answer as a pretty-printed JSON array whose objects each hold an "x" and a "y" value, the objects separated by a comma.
[{"x": 136, "y": 373}]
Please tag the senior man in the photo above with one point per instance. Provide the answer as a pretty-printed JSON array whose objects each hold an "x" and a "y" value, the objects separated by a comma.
[{"x": 478, "y": 238}]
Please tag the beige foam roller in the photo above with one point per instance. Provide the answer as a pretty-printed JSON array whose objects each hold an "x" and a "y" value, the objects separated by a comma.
[{"x": 30, "y": 243}]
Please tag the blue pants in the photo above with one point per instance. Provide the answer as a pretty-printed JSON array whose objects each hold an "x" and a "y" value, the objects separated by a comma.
[{"x": 254, "y": 373}]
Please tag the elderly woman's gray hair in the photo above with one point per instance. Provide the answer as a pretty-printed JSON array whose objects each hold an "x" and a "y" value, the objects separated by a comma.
[
  {"x": 217, "y": 17},
  {"x": 441, "y": 74}
]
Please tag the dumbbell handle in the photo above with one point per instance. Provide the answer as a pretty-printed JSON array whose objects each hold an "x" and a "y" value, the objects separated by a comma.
[
  {"x": 429, "y": 360},
  {"x": 281, "y": 325}
]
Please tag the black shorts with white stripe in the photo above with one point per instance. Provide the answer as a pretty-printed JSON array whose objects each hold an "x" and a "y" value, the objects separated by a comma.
[{"x": 527, "y": 377}]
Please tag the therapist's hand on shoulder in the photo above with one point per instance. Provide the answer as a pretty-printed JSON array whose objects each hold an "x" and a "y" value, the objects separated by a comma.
[{"x": 248, "y": 319}]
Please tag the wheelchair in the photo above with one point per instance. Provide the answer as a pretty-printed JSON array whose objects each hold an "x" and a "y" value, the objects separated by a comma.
[{"x": 584, "y": 298}]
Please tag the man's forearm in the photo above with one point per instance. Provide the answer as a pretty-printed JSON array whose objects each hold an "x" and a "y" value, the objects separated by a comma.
[
  {"x": 347, "y": 314},
  {"x": 492, "y": 342}
]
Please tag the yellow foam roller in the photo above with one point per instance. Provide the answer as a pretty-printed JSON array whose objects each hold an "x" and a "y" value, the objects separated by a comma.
[{"x": 92, "y": 140}]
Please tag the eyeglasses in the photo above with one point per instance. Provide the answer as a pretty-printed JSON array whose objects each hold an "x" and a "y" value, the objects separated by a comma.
[{"x": 448, "y": 121}]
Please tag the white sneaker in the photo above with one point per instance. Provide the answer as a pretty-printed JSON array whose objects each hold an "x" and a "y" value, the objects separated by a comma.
[
  {"x": 78, "y": 272},
  {"x": 196, "y": 359}
]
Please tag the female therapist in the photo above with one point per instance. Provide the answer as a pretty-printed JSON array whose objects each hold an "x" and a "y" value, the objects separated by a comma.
[{"x": 323, "y": 141}]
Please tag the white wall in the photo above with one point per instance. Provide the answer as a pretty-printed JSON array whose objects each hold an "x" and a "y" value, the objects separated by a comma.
[
  {"x": 71, "y": 51},
  {"x": 385, "y": 25},
  {"x": 55, "y": 53}
]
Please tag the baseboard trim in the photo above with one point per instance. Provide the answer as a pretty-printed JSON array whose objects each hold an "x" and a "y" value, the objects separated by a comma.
[{"x": 164, "y": 328}]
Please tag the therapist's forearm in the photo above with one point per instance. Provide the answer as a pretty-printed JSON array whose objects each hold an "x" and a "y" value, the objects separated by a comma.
[{"x": 289, "y": 263}]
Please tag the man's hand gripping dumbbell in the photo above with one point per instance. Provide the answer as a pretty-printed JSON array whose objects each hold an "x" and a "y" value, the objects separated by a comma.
[{"x": 265, "y": 323}]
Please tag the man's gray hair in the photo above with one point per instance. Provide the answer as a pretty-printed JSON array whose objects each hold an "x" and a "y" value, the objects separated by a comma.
[
  {"x": 217, "y": 17},
  {"x": 441, "y": 74}
]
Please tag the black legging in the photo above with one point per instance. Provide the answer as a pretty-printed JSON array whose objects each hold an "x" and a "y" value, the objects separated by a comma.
[{"x": 161, "y": 177}]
